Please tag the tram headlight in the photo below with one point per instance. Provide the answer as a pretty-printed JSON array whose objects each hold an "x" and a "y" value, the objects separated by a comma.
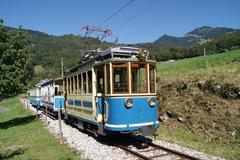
[
  {"x": 152, "y": 101},
  {"x": 128, "y": 103}
]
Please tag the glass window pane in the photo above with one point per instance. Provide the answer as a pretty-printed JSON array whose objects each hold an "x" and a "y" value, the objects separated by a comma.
[
  {"x": 152, "y": 78},
  {"x": 100, "y": 79},
  {"x": 68, "y": 86},
  {"x": 75, "y": 84},
  {"x": 72, "y": 89},
  {"x": 89, "y": 81},
  {"x": 139, "y": 78},
  {"x": 84, "y": 83},
  {"x": 120, "y": 78},
  {"x": 65, "y": 85},
  {"x": 108, "y": 78},
  {"x": 79, "y": 84}
]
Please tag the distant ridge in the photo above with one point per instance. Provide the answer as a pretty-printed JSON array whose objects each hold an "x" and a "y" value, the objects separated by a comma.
[
  {"x": 47, "y": 50},
  {"x": 196, "y": 36}
]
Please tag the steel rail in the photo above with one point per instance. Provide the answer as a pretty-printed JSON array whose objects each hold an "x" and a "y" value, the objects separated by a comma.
[
  {"x": 177, "y": 153},
  {"x": 50, "y": 116},
  {"x": 134, "y": 152}
]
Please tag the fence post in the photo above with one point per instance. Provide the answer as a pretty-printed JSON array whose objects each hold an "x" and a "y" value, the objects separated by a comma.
[
  {"x": 37, "y": 112},
  {"x": 46, "y": 110},
  {"x": 205, "y": 57}
]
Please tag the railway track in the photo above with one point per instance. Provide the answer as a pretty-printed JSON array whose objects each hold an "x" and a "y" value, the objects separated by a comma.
[
  {"x": 49, "y": 115},
  {"x": 146, "y": 150}
]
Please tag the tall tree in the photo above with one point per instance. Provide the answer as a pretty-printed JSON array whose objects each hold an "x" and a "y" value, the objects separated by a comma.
[{"x": 15, "y": 62}]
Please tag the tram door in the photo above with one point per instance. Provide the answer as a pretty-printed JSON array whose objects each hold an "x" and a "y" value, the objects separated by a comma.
[{"x": 100, "y": 93}]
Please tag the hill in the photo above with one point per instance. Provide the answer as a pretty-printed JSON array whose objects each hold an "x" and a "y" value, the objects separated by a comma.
[
  {"x": 196, "y": 36},
  {"x": 47, "y": 50},
  {"x": 199, "y": 107}
]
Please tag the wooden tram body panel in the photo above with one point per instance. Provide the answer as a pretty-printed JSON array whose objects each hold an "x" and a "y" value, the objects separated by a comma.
[{"x": 97, "y": 91}]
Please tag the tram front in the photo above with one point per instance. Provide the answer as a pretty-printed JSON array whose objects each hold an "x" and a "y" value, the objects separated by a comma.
[{"x": 129, "y": 103}]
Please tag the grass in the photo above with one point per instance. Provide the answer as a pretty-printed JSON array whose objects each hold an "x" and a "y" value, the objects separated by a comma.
[
  {"x": 221, "y": 61},
  {"x": 180, "y": 135},
  {"x": 19, "y": 130},
  {"x": 201, "y": 110}
]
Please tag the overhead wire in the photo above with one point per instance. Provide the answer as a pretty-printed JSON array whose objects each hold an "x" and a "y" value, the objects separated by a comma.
[
  {"x": 112, "y": 15},
  {"x": 116, "y": 12},
  {"x": 136, "y": 15}
]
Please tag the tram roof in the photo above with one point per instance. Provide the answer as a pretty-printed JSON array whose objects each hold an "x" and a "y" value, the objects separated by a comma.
[
  {"x": 113, "y": 54},
  {"x": 47, "y": 81}
]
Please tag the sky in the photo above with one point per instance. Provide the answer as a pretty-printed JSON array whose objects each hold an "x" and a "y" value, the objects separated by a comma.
[{"x": 141, "y": 21}]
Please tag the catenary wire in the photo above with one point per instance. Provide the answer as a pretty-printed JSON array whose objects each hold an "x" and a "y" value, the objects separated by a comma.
[
  {"x": 136, "y": 15},
  {"x": 116, "y": 12}
]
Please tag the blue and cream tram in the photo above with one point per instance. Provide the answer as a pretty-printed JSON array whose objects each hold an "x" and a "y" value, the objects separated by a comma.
[{"x": 113, "y": 91}]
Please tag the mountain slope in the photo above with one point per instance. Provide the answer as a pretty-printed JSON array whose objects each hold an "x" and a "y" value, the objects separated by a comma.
[
  {"x": 47, "y": 50},
  {"x": 196, "y": 36}
]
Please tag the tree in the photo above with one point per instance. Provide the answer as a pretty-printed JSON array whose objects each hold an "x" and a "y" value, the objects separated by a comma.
[{"x": 16, "y": 71}]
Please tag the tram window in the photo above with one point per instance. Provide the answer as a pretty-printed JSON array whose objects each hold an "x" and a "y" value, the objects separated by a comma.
[
  {"x": 152, "y": 78},
  {"x": 56, "y": 91},
  {"x": 120, "y": 78},
  {"x": 100, "y": 79},
  {"x": 84, "y": 83},
  {"x": 79, "y": 84},
  {"x": 139, "y": 78},
  {"x": 75, "y": 85},
  {"x": 72, "y": 89},
  {"x": 68, "y": 85},
  {"x": 108, "y": 78},
  {"x": 65, "y": 85},
  {"x": 89, "y": 74}
]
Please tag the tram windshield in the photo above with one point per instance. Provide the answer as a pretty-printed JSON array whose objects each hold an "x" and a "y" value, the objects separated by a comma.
[
  {"x": 139, "y": 78},
  {"x": 120, "y": 78},
  {"x": 138, "y": 82}
]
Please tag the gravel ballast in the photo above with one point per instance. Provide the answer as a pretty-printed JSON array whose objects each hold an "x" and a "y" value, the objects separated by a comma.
[{"x": 90, "y": 148}]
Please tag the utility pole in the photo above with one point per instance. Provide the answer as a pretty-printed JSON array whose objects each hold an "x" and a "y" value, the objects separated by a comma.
[
  {"x": 60, "y": 107},
  {"x": 46, "y": 110},
  {"x": 62, "y": 66},
  {"x": 205, "y": 57}
]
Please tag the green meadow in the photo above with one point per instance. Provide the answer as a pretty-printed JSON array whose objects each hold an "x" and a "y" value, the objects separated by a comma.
[{"x": 24, "y": 137}]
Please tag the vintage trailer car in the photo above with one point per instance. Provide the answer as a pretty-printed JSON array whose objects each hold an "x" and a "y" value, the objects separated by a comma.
[
  {"x": 34, "y": 96},
  {"x": 52, "y": 97}
]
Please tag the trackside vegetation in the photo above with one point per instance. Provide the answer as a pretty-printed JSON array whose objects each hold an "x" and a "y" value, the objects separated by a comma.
[
  {"x": 199, "y": 106},
  {"x": 23, "y": 137}
]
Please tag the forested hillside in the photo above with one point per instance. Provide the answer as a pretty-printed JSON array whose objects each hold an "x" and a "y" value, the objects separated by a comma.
[
  {"x": 197, "y": 36},
  {"x": 47, "y": 50},
  {"x": 220, "y": 44}
]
